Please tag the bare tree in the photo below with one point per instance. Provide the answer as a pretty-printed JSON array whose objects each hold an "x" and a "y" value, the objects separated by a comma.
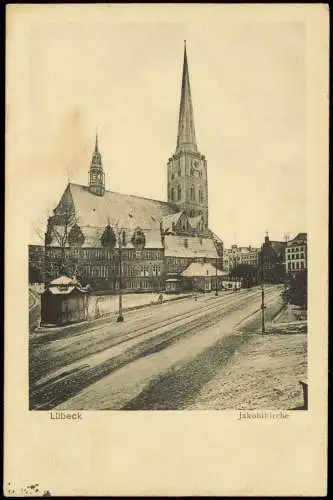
[{"x": 63, "y": 230}]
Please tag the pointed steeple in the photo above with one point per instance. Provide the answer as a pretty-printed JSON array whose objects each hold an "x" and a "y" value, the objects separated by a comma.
[
  {"x": 96, "y": 143},
  {"x": 186, "y": 140},
  {"x": 96, "y": 173}
]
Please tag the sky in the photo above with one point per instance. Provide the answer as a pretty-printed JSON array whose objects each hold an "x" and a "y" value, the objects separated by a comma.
[{"x": 248, "y": 84}]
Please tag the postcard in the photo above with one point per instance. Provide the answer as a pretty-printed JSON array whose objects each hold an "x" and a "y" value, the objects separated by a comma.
[{"x": 166, "y": 239}]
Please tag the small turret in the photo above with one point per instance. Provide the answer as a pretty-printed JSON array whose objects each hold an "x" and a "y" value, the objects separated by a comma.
[{"x": 96, "y": 173}]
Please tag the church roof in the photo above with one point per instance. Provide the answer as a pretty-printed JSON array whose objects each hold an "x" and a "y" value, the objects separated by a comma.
[
  {"x": 125, "y": 210},
  {"x": 189, "y": 246}
]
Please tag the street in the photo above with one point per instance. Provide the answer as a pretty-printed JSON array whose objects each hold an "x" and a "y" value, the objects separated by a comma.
[{"x": 159, "y": 358}]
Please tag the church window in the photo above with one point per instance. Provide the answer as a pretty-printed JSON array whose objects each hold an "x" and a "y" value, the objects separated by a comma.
[
  {"x": 200, "y": 196},
  {"x": 179, "y": 193},
  {"x": 172, "y": 175},
  {"x": 179, "y": 172},
  {"x": 192, "y": 193},
  {"x": 172, "y": 194}
]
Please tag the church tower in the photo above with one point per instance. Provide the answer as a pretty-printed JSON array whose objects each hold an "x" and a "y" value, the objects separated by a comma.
[
  {"x": 96, "y": 173},
  {"x": 187, "y": 168}
]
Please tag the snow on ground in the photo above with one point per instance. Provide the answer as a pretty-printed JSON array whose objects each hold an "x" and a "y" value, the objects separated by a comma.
[
  {"x": 104, "y": 304},
  {"x": 264, "y": 373}
]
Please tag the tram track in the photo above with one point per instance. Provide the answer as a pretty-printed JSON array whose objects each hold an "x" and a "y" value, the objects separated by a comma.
[
  {"x": 63, "y": 384},
  {"x": 110, "y": 336}
]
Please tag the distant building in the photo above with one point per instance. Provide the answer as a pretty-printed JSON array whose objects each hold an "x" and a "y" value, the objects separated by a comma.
[
  {"x": 296, "y": 254},
  {"x": 236, "y": 255},
  {"x": 271, "y": 260},
  {"x": 108, "y": 239}
]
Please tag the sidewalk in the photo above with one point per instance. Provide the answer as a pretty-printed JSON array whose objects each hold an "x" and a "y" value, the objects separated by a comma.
[
  {"x": 99, "y": 314},
  {"x": 101, "y": 305}
]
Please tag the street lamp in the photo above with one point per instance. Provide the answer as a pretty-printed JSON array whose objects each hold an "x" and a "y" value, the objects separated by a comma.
[
  {"x": 216, "y": 290},
  {"x": 262, "y": 308},
  {"x": 120, "y": 317},
  {"x": 120, "y": 232}
]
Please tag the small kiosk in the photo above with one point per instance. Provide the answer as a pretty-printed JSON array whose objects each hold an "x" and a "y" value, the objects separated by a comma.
[
  {"x": 204, "y": 276},
  {"x": 64, "y": 301}
]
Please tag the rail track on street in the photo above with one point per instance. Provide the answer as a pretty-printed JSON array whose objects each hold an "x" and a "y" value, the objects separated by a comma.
[{"x": 91, "y": 357}]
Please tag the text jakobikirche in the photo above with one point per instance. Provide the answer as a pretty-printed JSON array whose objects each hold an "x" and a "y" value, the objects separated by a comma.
[{"x": 263, "y": 415}]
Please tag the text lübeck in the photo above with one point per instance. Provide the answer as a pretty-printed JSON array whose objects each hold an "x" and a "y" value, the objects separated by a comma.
[
  {"x": 62, "y": 415},
  {"x": 263, "y": 415}
]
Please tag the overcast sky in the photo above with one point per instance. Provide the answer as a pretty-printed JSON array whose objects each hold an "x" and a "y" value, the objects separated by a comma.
[{"x": 248, "y": 87}]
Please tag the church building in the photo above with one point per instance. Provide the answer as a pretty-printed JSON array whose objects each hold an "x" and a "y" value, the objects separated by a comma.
[{"x": 111, "y": 240}]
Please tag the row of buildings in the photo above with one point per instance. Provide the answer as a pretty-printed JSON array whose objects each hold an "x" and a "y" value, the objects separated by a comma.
[
  {"x": 290, "y": 254},
  {"x": 111, "y": 240}
]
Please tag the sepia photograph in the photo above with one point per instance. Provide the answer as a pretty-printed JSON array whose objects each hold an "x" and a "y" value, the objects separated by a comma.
[
  {"x": 166, "y": 249},
  {"x": 171, "y": 275}
]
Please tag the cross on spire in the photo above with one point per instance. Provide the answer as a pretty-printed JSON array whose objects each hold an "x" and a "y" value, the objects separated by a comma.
[{"x": 186, "y": 132}]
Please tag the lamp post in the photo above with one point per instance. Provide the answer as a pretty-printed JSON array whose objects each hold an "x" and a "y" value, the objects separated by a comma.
[
  {"x": 262, "y": 308},
  {"x": 120, "y": 317},
  {"x": 216, "y": 290},
  {"x": 262, "y": 298}
]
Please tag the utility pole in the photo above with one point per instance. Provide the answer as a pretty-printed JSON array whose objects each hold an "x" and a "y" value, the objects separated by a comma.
[
  {"x": 262, "y": 308},
  {"x": 261, "y": 271},
  {"x": 216, "y": 289},
  {"x": 120, "y": 317}
]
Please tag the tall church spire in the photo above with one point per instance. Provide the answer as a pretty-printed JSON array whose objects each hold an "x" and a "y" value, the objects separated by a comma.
[
  {"x": 187, "y": 167},
  {"x": 186, "y": 140},
  {"x": 96, "y": 143}
]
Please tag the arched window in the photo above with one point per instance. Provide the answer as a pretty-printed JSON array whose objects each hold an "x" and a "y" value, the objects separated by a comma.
[
  {"x": 192, "y": 193},
  {"x": 172, "y": 194},
  {"x": 200, "y": 196},
  {"x": 179, "y": 193}
]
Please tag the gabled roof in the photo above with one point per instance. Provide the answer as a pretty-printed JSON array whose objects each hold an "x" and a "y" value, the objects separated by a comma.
[
  {"x": 169, "y": 220},
  {"x": 300, "y": 239},
  {"x": 198, "y": 269},
  {"x": 189, "y": 247}
]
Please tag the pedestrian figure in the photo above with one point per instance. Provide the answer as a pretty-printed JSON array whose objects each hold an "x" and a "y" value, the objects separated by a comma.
[{"x": 160, "y": 298}]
